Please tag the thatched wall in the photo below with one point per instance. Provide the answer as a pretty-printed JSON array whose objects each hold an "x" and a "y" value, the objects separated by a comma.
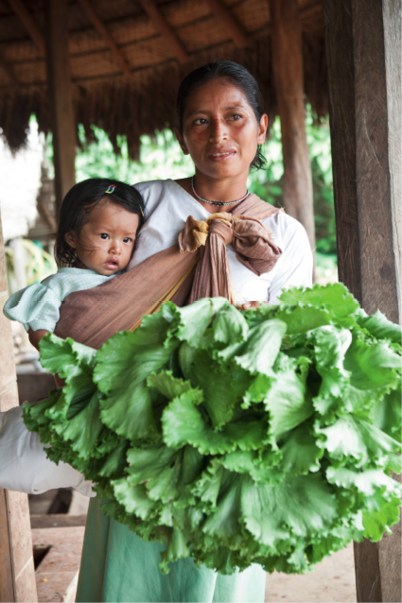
[{"x": 146, "y": 101}]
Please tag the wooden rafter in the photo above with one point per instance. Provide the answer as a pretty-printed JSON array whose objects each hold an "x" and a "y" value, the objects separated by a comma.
[
  {"x": 102, "y": 30},
  {"x": 164, "y": 29},
  {"x": 229, "y": 22},
  {"x": 29, "y": 23}
]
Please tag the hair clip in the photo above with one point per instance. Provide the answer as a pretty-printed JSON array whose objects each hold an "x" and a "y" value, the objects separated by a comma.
[
  {"x": 110, "y": 189},
  {"x": 142, "y": 211}
]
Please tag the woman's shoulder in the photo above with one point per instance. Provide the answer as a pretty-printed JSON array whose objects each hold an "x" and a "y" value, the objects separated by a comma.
[
  {"x": 149, "y": 187},
  {"x": 155, "y": 191},
  {"x": 152, "y": 191},
  {"x": 286, "y": 229}
]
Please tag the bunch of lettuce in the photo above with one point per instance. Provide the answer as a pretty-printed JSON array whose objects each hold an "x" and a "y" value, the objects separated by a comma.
[{"x": 267, "y": 436}]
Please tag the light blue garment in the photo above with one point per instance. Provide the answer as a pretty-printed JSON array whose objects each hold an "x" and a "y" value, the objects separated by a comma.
[
  {"x": 38, "y": 306},
  {"x": 117, "y": 565}
]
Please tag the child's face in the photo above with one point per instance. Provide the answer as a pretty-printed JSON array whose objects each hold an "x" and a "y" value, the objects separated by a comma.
[{"x": 106, "y": 241}]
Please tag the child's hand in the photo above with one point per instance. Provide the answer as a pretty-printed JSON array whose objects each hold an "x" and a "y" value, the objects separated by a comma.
[{"x": 36, "y": 336}]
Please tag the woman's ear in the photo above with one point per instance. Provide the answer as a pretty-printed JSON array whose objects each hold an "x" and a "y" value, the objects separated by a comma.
[
  {"x": 69, "y": 237},
  {"x": 180, "y": 140},
  {"x": 262, "y": 129}
]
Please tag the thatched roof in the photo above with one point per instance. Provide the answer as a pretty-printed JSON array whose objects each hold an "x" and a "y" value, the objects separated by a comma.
[{"x": 145, "y": 101}]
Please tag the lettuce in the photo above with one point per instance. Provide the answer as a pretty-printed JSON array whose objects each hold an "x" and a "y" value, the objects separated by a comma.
[{"x": 267, "y": 436}]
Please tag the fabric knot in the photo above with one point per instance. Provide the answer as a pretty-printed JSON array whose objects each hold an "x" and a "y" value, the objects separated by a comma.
[
  {"x": 195, "y": 233},
  {"x": 250, "y": 238}
]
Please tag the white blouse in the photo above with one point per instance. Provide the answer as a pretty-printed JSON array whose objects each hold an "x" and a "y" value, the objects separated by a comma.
[{"x": 167, "y": 206}]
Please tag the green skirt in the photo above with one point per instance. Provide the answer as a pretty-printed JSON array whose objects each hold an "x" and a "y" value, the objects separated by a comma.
[{"x": 118, "y": 566}]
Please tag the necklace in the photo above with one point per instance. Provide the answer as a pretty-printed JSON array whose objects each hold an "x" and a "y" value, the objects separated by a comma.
[{"x": 216, "y": 202}]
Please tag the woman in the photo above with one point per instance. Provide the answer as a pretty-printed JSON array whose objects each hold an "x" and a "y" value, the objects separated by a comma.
[{"x": 220, "y": 125}]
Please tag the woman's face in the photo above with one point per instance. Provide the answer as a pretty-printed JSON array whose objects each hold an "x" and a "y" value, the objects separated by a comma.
[{"x": 220, "y": 130}]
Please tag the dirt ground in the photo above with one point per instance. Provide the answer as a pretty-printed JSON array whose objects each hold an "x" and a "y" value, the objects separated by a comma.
[{"x": 333, "y": 580}]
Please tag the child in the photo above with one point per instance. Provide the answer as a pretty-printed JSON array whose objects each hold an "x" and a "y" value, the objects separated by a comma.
[{"x": 99, "y": 219}]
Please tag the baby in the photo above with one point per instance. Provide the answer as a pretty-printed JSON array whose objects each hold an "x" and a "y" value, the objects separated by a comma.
[{"x": 99, "y": 219}]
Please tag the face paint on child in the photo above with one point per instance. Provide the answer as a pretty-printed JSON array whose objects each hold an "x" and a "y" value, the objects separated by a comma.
[{"x": 106, "y": 241}]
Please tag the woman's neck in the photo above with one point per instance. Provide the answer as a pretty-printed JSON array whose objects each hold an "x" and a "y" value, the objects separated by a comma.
[{"x": 224, "y": 190}]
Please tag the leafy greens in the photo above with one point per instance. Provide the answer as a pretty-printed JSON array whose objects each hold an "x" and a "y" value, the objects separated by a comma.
[{"x": 266, "y": 436}]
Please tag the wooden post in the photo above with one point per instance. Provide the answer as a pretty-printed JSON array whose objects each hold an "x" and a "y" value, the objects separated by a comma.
[
  {"x": 287, "y": 60},
  {"x": 363, "y": 48},
  {"x": 17, "y": 573},
  {"x": 60, "y": 97}
]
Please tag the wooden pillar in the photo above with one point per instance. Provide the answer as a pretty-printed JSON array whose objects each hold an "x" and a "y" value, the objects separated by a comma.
[
  {"x": 17, "y": 574},
  {"x": 60, "y": 97},
  {"x": 287, "y": 60},
  {"x": 363, "y": 48}
]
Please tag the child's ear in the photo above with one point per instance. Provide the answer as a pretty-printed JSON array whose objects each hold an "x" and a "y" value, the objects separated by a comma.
[{"x": 70, "y": 239}]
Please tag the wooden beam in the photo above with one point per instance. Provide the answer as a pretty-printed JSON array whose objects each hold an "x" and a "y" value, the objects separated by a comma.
[
  {"x": 6, "y": 572},
  {"x": 164, "y": 29},
  {"x": 17, "y": 573},
  {"x": 229, "y": 22},
  {"x": 29, "y": 23},
  {"x": 287, "y": 59},
  {"x": 363, "y": 47},
  {"x": 57, "y": 520},
  {"x": 102, "y": 30},
  {"x": 60, "y": 97}
]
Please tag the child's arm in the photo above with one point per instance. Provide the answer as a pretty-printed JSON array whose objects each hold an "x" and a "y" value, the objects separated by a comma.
[{"x": 36, "y": 336}]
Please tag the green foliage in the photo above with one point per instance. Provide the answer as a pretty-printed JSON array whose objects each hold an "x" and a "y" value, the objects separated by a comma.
[
  {"x": 39, "y": 263},
  {"x": 266, "y": 436},
  {"x": 160, "y": 158}
]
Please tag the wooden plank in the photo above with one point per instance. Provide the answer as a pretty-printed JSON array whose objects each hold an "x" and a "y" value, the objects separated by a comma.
[
  {"x": 60, "y": 97},
  {"x": 52, "y": 536},
  {"x": 365, "y": 119},
  {"x": 392, "y": 17},
  {"x": 57, "y": 520},
  {"x": 163, "y": 27},
  {"x": 103, "y": 31},
  {"x": 228, "y": 21},
  {"x": 57, "y": 574},
  {"x": 17, "y": 574},
  {"x": 21, "y": 547},
  {"x": 6, "y": 576},
  {"x": 287, "y": 59}
]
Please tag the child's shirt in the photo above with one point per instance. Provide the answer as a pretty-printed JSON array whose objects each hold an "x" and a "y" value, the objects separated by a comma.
[{"x": 38, "y": 306}]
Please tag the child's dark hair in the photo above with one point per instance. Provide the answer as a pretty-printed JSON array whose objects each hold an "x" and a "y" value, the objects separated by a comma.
[
  {"x": 238, "y": 76},
  {"x": 81, "y": 200}
]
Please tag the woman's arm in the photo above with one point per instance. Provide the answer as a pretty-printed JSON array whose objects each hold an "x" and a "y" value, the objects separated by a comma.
[{"x": 295, "y": 267}]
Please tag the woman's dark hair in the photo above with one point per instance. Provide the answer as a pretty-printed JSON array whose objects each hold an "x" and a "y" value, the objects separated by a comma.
[
  {"x": 81, "y": 200},
  {"x": 238, "y": 76}
]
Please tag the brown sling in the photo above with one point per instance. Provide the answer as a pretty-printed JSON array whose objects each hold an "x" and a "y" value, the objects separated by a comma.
[{"x": 93, "y": 315}]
